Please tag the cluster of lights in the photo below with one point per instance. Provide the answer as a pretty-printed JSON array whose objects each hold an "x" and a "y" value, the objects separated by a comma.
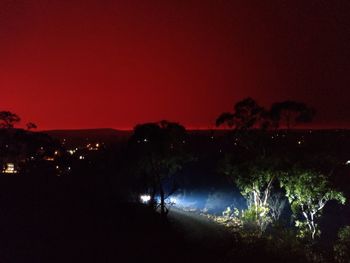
[
  {"x": 9, "y": 169},
  {"x": 93, "y": 147}
]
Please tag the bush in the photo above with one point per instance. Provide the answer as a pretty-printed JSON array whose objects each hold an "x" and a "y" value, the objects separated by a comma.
[{"x": 342, "y": 246}]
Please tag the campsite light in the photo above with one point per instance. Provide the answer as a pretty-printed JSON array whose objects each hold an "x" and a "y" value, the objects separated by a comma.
[{"x": 145, "y": 198}]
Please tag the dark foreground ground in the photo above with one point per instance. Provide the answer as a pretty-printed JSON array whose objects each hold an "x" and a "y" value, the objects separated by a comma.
[
  {"x": 57, "y": 221},
  {"x": 54, "y": 222}
]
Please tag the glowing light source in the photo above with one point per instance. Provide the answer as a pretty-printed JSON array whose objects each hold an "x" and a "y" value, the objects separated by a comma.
[
  {"x": 347, "y": 162},
  {"x": 145, "y": 198},
  {"x": 9, "y": 169}
]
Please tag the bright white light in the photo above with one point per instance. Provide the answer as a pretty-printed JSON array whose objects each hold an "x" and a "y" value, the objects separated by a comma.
[
  {"x": 347, "y": 162},
  {"x": 145, "y": 198},
  {"x": 173, "y": 200},
  {"x": 81, "y": 157}
]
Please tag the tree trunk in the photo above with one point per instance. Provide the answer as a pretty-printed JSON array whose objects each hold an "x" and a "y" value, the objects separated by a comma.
[
  {"x": 163, "y": 209},
  {"x": 162, "y": 200}
]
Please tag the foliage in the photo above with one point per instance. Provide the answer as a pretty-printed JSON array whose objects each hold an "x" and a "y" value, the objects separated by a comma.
[
  {"x": 232, "y": 222},
  {"x": 8, "y": 119},
  {"x": 247, "y": 114},
  {"x": 277, "y": 204},
  {"x": 31, "y": 126},
  {"x": 290, "y": 113},
  {"x": 342, "y": 246},
  {"x": 255, "y": 180},
  {"x": 159, "y": 149},
  {"x": 256, "y": 219},
  {"x": 308, "y": 192}
]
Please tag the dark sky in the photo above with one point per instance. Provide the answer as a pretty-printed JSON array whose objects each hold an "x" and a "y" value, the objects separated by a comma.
[{"x": 88, "y": 64}]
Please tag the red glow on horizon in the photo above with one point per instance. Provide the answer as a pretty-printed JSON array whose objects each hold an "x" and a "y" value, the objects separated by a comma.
[{"x": 85, "y": 64}]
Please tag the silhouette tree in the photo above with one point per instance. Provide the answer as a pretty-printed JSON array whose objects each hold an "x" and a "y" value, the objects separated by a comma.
[
  {"x": 8, "y": 119},
  {"x": 31, "y": 126},
  {"x": 247, "y": 114},
  {"x": 290, "y": 113},
  {"x": 159, "y": 149}
]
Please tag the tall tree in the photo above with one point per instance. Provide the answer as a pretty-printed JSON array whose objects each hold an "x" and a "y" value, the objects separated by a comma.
[
  {"x": 160, "y": 153},
  {"x": 290, "y": 113},
  {"x": 255, "y": 180},
  {"x": 247, "y": 114},
  {"x": 308, "y": 192},
  {"x": 8, "y": 119}
]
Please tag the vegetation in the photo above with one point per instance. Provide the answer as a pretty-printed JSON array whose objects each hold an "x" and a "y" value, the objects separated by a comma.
[
  {"x": 290, "y": 113},
  {"x": 160, "y": 152},
  {"x": 8, "y": 119},
  {"x": 308, "y": 192},
  {"x": 287, "y": 196},
  {"x": 255, "y": 180},
  {"x": 342, "y": 246}
]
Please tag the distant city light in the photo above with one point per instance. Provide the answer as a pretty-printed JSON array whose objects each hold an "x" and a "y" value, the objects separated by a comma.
[
  {"x": 9, "y": 169},
  {"x": 93, "y": 147},
  {"x": 145, "y": 198},
  {"x": 81, "y": 157}
]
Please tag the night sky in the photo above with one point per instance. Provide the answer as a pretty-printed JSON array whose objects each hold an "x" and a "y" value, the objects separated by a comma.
[{"x": 95, "y": 64}]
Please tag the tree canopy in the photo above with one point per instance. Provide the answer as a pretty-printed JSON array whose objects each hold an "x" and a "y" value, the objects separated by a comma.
[
  {"x": 160, "y": 152},
  {"x": 8, "y": 119},
  {"x": 308, "y": 192}
]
